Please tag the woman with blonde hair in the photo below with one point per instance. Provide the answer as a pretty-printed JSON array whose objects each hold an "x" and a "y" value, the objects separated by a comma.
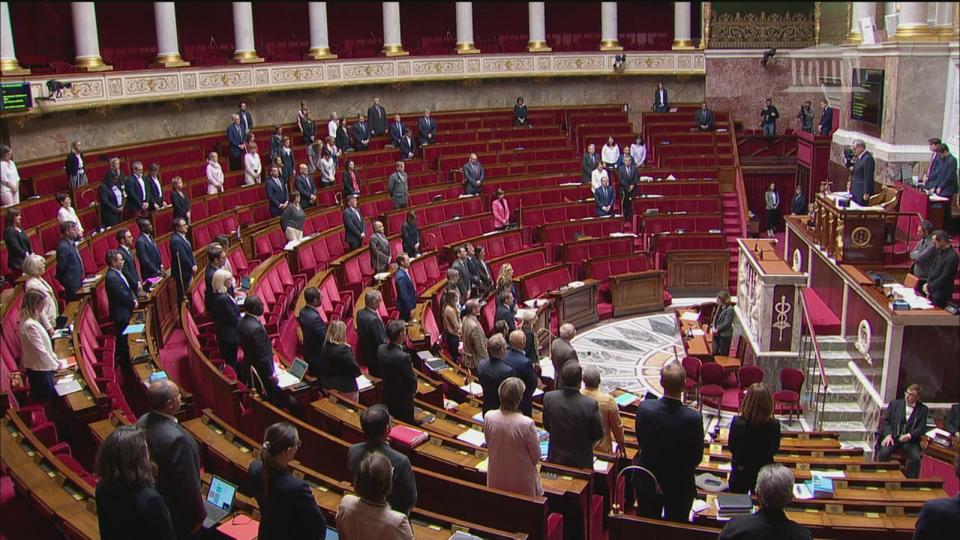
[
  {"x": 225, "y": 314},
  {"x": 505, "y": 283},
  {"x": 36, "y": 350},
  {"x": 34, "y": 266},
  {"x": 338, "y": 365},
  {"x": 754, "y": 438},
  {"x": 512, "y": 444}
]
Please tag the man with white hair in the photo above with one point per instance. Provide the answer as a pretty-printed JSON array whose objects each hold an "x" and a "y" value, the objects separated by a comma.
[
  {"x": 774, "y": 492},
  {"x": 561, "y": 351},
  {"x": 472, "y": 176},
  {"x": 427, "y": 127},
  {"x": 861, "y": 184},
  {"x": 589, "y": 162},
  {"x": 332, "y": 125}
]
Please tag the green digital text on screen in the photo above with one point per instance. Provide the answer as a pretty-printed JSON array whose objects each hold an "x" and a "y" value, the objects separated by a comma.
[{"x": 15, "y": 96}]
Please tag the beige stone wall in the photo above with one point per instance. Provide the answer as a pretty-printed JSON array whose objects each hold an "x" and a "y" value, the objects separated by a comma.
[{"x": 49, "y": 135}]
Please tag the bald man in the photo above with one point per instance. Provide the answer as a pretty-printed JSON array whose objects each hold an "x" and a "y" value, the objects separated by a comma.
[
  {"x": 177, "y": 456},
  {"x": 472, "y": 176},
  {"x": 561, "y": 350},
  {"x": 517, "y": 359},
  {"x": 379, "y": 249}
]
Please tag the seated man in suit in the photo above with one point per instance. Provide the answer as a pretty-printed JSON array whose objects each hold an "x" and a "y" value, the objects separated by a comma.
[
  {"x": 427, "y": 127},
  {"x": 306, "y": 187},
  {"x": 147, "y": 251},
  {"x": 353, "y": 224},
  {"x": 122, "y": 300},
  {"x": 70, "y": 270},
  {"x": 704, "y": 118},
  {"x": 472, "y": 176},
  {"x": 523, "y": 369},
  {"x": 182, "y": 263},
  {"x": 904, "y": 422},
  {"x": 943, "y": 271},
  {"x": 375, "y": 423},
  {"x": 396, "y": 369},
  {"x": 407, "y": 146},
  {"x": 604, "y": 198},
  {"x": 406, "y": 291},
  {"x": 397, "y": 130},
  {"x": 572, "y": 419},
  {"x": 371, "y": 331},
  {"x": 826, "y": 118},
  {"x": 361, "y": 134},
  {"x": 125, "y": 239},
  {"x": 774, "y": 492},
  {"x": 313, "y": 328},
  {"x": 671, "y": 436},
  {"x": 861, "y": 183},
  {"x": 137, "y": 194},
  {"x": 276, "y": 192},
  {"x": 492, "y": 371},
  {"x": 506, "y": 311}
]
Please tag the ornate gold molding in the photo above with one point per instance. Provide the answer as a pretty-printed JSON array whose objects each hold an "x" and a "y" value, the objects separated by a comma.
[
  {"x": 758, "y": 31},
  {"x": 706, "y": 8},
  {"x": 319, "y": 53},
  {"x": 817, "y": 10},
  {"x": 394, "y": 50},
  {"x": 91, "y": 63},
  {"x": 538, "y": 47},
  {"x": 9, "y": 67},
  {"x": 610, "y": 45},
  {"x": 466, "y": 48}
]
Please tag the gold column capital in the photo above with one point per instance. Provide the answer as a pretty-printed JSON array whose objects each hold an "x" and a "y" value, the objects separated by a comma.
[
  {"x": 466, "y": 48},
  {"x": 394, "y": 50},
  {"x": 92, "y": 63},
  {"x": 9, "y": 67},
  {"x": 246, "y": 57},
  {"x": 319, "y": 53}
]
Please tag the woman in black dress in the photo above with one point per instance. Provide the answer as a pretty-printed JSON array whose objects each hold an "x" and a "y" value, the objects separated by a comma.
[
  {"x": 754, "y": 438},
  {"x": 410, "y": 234},
  {"x": 225, "y": 314},
  {"x": 519, "y": 113},
  {"x": 338, "y": 365},
  {"x": 179, "y": 200},
  {"x": 128, "y": 505}
]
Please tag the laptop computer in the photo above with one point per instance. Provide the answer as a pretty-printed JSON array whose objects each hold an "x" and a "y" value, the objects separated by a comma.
[
  {"x": 292, "y": 376},
  {"x": 219, "y": 501}
]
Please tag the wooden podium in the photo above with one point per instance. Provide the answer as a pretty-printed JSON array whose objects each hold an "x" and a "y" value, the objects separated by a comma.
[
  {"x": 636, "y": 292},
  {"x": 577, "y": 305},
  {"x": 768, "y": 298},
  {"x": 849, "y": 235}
]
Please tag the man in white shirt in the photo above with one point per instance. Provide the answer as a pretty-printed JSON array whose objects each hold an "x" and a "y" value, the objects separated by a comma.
[{"x": 332, "y": 125}]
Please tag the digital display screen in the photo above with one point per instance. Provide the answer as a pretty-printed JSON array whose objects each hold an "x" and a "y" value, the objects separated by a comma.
[
  {"x": 866, "y": 99},
  {"x": 15, "y": 97}
]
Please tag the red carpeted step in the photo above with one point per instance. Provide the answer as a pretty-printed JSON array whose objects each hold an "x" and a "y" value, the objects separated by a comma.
[{"x": 825, "y": 322}]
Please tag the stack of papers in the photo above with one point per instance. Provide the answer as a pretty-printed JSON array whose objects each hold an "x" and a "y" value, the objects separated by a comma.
[
  {"x": 134, "y": 329},
  {"x": 473, "y": 388},
  {"x": 908, "y": 295},
  {"x": 473, "y": 436},
  {"x": 363, "y": 383},
  {"x": 67, "y": 385},
  {"x": 626, "y": 398},
  {"x": 691, "y": 316}
]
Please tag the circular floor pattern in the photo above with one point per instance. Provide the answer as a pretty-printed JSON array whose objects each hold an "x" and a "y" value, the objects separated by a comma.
[{"x": 630, "y": 352}]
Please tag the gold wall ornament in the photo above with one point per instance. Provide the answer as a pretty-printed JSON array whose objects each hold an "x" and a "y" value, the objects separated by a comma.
[
  {"x": 9, "y": 67},
  {"x": 817, "y": 8},
  {"x": 860, "y": 237},
  {"x": 761, "y": 31},
  {"x": 246, "y": 57},
  {"x": 394, "y": 50},
  {"x": 169, "y": 60},
  {"x": 706, "y": 8}
]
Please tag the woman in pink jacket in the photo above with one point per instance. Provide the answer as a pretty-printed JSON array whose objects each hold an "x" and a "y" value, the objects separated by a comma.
[
  {"x": 501, "y": 211},
  {"x": 512, "y": 444}
]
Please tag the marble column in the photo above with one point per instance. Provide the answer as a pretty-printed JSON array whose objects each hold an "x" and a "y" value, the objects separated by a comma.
[
  {"x": 392, "y": 42},
  {"x": 319, "y": 33},
  {"x": 681, "y": 26},
  {"x": 913, "y": 24},
  {"x": 168, "y": 45},
  {"x": 608, "y": 27},
  {"x": 944, "y": 14},
  {"x": 86, "y": 41},
  {"x": 8, "y": 56},
  {"x": 246, "y": 53},
  {"x": 465, "y": 43},
  {"x": 538, "y": 28},
  {"x": 859, "y": 10}
]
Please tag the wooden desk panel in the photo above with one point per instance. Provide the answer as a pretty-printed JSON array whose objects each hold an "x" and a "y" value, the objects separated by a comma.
[
  {"x": 636, "y": 292},
  {"x": 698, "y": 270},
  {"x": 577, "y": 306}
]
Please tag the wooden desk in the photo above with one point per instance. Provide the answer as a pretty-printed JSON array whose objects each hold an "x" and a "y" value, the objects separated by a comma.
[
  {"x": 698, "y": 270},
  {"x": 695, "y": 345},
  {"x": 577, "y": 305},
  {"x": 849, "y": 235},
  {"x": 636, "y": 292},
  {"x": 938, "y": 462}
]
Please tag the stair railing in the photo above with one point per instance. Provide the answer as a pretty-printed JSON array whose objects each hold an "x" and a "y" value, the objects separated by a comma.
[{"x": 814, "y": 396}]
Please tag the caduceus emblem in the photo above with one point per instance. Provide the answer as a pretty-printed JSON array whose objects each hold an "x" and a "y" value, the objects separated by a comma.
[{"x": 782, "y": 308}]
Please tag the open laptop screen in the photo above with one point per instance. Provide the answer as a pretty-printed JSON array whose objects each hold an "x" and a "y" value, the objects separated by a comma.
[{"x": 221, "y": 493}]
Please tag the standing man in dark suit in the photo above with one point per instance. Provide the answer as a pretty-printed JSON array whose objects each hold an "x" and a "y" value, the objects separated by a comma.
[
  {"x": 572, "y": 419},
  {"x": 216, "y": 259},
  {"x": 177, "y": 457},
  {"x": 671, "y": 436},
  {"x": 182, "y": 263},
  {"x": 399, "y": 380},
  {"x": 235, "y": 136},
  {"x": 939, "y": 519},
  {"x": 861, "y": 184},
  {"x": 661, "y": 100},
  {"x": 798, "y": 205},
  {"x": 313, "y": 328},
  {"x": 277, "y": 193},
  {"x": 628, "y": 176},
  {"x": 17, "y": 241},
  {"x": 361, "y": 134},
  {"x": 375, "y": 422},
  {"x": 122, "y": 300},
  {"x": 460, "y": 265},
  {"x": 406, "y": 290},
  {"x": 378, "y": 118},
  {"x": 904, "y": 422},
  {"x": 125, "y": 240},
  {"x": 70, "y": 270},
  {"x": 826, "y": 119},
  {"x": 723, "y": 324},
  {"x": 704, "y": 118},
  {"x": 492, "y": 371},
  {"x": 110, "y": 196},
  {"x": 427, "y": 127},
  {"x": 505, "y": 311},
  {"x": 407, "y": 146},
  {"x": 943, "y": 180},
  {"x": 246, "y": 121},
  {"x": 472, "y": 176},
  {"x": 306, "y": 187},
  {"x": 603, "y": 196},
  {"x": 371, "y": 332},
  {"x": 137, "y": 194},
  {"x": 589, "y": 163},
  {"x": 148, "y": 253},
  {"x": 257, "y": 351},
  {"x": 522, "y": 367},
  {"x": 353, "y": 224},
  {"x": 154, "y": 189},
  {"x": 561, "y": 350},
  {"x": 379, "y": 248},
  {"x": 397, "y": 130},
  {"x": 943, "y": 272}
]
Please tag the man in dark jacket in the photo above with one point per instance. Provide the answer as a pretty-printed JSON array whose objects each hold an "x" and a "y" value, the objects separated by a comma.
[
  {"x": 939, "y": 517},
  {"x": 361, "y": 134},
  {"x": 628, "y": 176},
  {"x": 523, "y": 369},
  {"x": 505, "y": 311},
  {"x": 774, "y": 492},
  {"x": 277, "y": 195},
  {"x": 70, "y": 270},
  {"x": 306, "y": 187},
  {"x": 377, "y": 116},
  {"x": 492, "y": 371},
  {"x": 589, "y": 163},
  {"x": 177, "y": 457},
  {"x": 406, "y": 290},
  {"x": 399, "y": 379},
  {"x": 371, "y": 332},
  {"x": 353, "y": 224},
  {"x": 904, "y": 422},
  {"x": 125, "y": 240},
  {"x": 110, "y": 197},
  {"x": 182, "y": 263},
  {"x": 671, "y": 436},
  {"x": 375, "y": 422},
  {"x": 943, "y": 271},
  {"x": 573, "y": 421},
  {"x": 257, "y": 350},
  {"x": 427, "y": 127},
  {"x": 313, "y": 329},
  {"x": 122, "y": 300},
  {"x": 137, "y": 193},
  {"x": 151, "y": 265},
  {"x": 861, "y": 183}
]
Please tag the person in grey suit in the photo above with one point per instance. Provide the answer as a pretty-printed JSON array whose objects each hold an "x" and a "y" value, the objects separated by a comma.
[
  {"x": 306, "y": 187},
  {"x": 904, "y": 422},
  {"x": 723, "y": 324},
  {"x": 371, "y": 331},
  {"x": 398, "y": 187},
  {"x": 353, "y": 224},
  {"x": 561, "y": 351},
  {"x": 379, "y": 249},
  {"x": 375, "y": 422},
  {"x": 924, "y": 254},
  {"x": 460, "y": 265},
  {"x": 427, "y": 127},
  {"x": 589, "y": 163},
  {"x": 861, "y": 184},
  {"x": 704, "y": 118},
  {"x": 572, "y": 419},
  {"x": 472, "y": 176},
  {"x": 177, "y": 457}
]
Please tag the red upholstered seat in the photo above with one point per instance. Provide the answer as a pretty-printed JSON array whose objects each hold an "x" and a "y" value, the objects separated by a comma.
[
  {"x": 691, "y": 385},
  {"x": 712, "y": 376},
  {"x": 748, "y": 375},
  {"x": 788, "y": 398}
]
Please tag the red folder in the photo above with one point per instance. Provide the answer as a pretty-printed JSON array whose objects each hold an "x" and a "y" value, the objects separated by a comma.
[
  {"x": 407, "y": 436},
  {"x": 240, "y": 527}
]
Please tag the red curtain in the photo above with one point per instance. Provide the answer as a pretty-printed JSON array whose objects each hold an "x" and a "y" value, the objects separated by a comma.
[{"x": 756, "y": 184}]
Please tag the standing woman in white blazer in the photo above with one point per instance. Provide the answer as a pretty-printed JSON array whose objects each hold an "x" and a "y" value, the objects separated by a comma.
[
  {"x": 9, "y": 178},
  {"x": 67, "y": 212},
  {"x": 37, "y": 357},
  {"x": 214, "y": 174},
  {"x": 34, "y": 266},
  {"x": 251, "y": 165}
]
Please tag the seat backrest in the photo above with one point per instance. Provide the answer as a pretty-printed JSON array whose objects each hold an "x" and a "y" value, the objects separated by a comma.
[
  {"x": 791, "y": 379},
  {"x": 711, "y": 373},
  {"x": 692, "y": 364},
  {"x": 749, "y": 375}
]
